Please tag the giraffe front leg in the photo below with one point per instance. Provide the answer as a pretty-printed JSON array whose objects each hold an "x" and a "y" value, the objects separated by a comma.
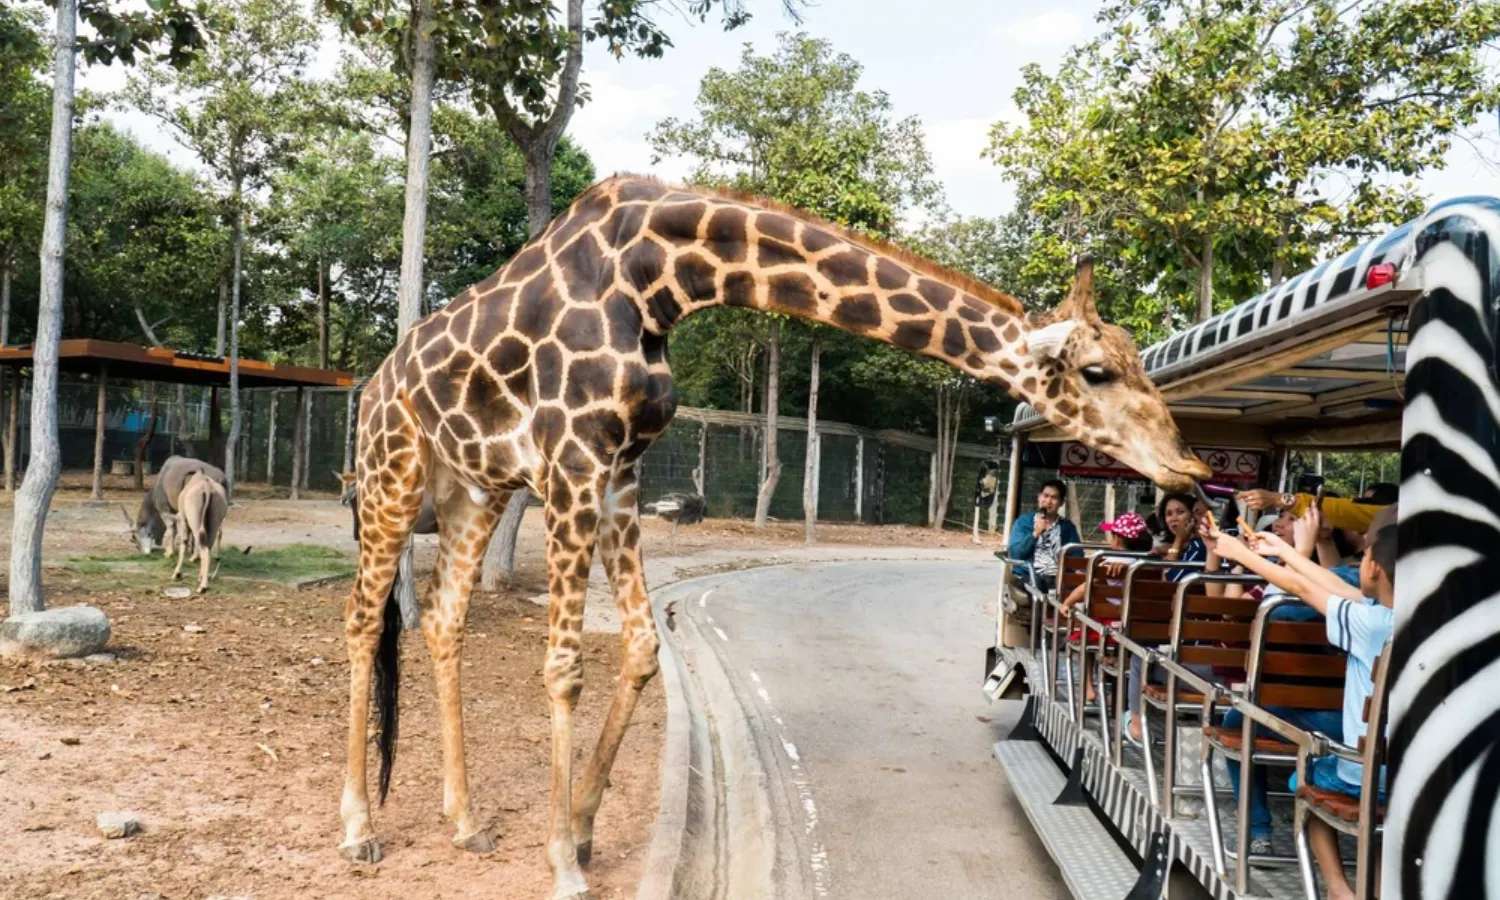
[
  {"x": 619, "y": 543},
  {"x": 573, "y": 505},
  {"x": 464, "y": 529}
]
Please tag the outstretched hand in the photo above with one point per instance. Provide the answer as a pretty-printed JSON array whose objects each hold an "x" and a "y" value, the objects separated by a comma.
[{"x": 1305, "y": 529}]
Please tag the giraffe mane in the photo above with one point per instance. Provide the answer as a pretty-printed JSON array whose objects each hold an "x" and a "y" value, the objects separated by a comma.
[{"x": 914, "y": 261}]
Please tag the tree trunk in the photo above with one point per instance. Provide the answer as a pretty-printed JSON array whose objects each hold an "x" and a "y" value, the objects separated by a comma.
[
  {"x": 414, "y": 230},
  {"x": 101, "y": 407},
  {"x": 234, "y": 335},
  {"x": 307, "y": 439},
  {"x": 500, "y": 556},
  {"x": 13, "y": 433},
  {"x": 35, "y": 495},
  {"x": 538, "y": 188},
  {"x": 1206, "y": 280},
  {"x": 144, "y": 443},
  {"x": 773, "y": 401},
  {"x": 5, "y": 275},
  {"x": 418, "y": 155},
  {"x": 322, "y": 315},
  {"x": 349, "y": 426},
  {"x": 182, "y": 416},
  {"x": 299, "y": 434},
  {"x": 6, "y": 266},
  {"x": 1278, "y": 263},
  {"x": 223, "y": 316},
  {"x": 814, "y": 448},
  {"x": 271, "y": 443},
  {"x": 947, "y": 453}
]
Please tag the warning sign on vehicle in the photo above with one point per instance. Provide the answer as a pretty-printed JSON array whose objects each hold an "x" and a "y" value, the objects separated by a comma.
[{"x": 1230, "y": 467}]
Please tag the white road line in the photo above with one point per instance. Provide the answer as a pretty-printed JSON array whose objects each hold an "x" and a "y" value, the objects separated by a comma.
[
  {"x": 754, "y": 677},
  {"x": 703, "y": 600},
  {"x": 720, "y": 632},
  {"x": 791, "y": 750},
  {"x": 764, "y": 696}
]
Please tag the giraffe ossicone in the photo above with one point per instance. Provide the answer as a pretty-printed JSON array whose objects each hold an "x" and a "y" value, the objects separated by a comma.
[{"x": 552, "y": 376}]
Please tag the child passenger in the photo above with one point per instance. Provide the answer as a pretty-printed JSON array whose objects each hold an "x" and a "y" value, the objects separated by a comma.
[{"x": 1360, "y": 627}]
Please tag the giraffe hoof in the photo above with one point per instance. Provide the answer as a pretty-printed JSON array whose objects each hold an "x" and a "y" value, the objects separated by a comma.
[
  {"x": 478, "y": 842},
  {"x": 366, "y": 851},
  {"x": 585, "y": 852}
]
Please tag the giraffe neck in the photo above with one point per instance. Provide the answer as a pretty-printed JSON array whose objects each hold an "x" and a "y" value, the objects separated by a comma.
[{"x": 696, "y": 251}]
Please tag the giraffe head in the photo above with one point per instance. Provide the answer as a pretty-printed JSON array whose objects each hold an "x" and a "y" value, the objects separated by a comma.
[{"x": 1094, "y": 387}]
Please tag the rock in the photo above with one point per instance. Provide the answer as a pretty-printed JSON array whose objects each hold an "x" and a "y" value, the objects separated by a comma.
[
  {"x": 61, "y": 633},
  {"x": 99, "y": 658},
  {"x": 177, "y": 593},
  {"x": 192, "y": 628},
  {"x": 118, "y": 824}
]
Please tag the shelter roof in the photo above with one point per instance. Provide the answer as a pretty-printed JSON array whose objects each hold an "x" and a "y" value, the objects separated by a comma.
[{"x": 174, "y": 366}]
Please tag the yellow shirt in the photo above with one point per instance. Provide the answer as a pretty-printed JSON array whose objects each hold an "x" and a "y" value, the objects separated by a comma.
[{"x": 1340, "y": 512}]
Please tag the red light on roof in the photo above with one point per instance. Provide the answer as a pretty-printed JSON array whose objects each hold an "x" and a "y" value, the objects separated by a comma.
[{"x": 1380, "y": 274}]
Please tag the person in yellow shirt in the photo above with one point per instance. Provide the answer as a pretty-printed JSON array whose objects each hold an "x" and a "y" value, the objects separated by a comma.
[{"x": 1338, "y": 512}]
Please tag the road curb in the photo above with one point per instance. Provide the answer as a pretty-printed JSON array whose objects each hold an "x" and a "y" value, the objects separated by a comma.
[{"x": 669, "y": 834}]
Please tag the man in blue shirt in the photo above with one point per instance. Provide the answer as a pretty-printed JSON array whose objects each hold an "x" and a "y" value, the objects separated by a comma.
[{"x": 1037, "y": 537}]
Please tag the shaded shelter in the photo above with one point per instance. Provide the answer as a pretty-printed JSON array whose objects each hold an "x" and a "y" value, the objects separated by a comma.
[{"x": 110, "y": 359}]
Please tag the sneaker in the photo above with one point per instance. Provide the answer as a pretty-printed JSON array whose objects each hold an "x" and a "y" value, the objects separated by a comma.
[{"x": 1260, "y": 846}]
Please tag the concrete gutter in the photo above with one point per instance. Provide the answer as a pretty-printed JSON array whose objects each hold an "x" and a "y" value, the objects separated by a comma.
[{"x": 713, "y": 786}]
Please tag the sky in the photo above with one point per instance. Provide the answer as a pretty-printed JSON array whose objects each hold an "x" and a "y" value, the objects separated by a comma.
[{"x": 951, "y": 63}]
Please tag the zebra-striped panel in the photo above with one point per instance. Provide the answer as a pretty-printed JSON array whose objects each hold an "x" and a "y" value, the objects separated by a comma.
[{"x": 1442, "y": 835}]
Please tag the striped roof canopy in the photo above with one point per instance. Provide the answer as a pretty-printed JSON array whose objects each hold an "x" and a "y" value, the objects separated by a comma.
[{"x": 1317, "y": 360}]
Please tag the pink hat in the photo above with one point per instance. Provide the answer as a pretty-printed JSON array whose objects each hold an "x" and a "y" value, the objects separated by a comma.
[{"x": 1126, "y": 525}]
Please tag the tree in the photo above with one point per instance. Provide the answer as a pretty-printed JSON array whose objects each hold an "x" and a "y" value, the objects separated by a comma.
[
  {"x": 1210, "y": 147},
  {"x": 23, "y": 145},
  {"x": 118, "y": 36},
  {"x": 795, "y": 127},
  {"x": 334, "y": 210},
  {"x": 233, "y": 106}
]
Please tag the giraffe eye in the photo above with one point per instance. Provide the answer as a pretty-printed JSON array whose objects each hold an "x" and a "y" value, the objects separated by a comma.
[{"x": 1097, "y": 375}]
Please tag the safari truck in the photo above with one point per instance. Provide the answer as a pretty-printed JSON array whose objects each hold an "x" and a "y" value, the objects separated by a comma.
[{"x": 1394, "y": 346}]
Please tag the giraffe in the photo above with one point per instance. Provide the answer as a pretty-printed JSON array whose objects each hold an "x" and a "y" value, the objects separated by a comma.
[{"x": 552, "y": 375}]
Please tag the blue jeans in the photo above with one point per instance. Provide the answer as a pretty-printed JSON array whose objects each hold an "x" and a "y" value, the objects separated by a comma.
[
  {"x": 1323, "y": 772},
  {"x": 1328, "y": 721},
  {"x": 1295, "y": 612}
]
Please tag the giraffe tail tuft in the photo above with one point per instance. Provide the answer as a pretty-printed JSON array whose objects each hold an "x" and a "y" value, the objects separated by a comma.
[{"x": 388, "y": 686}]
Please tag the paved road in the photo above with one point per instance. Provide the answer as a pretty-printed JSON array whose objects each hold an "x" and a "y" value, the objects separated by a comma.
[{"x": 865, "y": 677}]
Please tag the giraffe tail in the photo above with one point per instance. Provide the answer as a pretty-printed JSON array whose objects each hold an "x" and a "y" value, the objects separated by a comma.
[{"x": 388, "y": 685}]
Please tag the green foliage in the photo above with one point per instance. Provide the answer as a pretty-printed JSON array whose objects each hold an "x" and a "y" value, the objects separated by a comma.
[
  {"x": 795, "y": 127},
  {"x": 175, "y": 29},
  {"x": 143, "y": 235},
  {"x": 477, "y": 205},
  {"x": 25, "y": 113},
  {"x": 1222, "y": 145}
]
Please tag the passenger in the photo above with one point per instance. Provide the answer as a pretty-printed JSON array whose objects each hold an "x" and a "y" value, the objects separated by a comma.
[
  {"x": 1037, "y": 537},
  {"x": 1180, "y": 541},
  {"x": 1338, "y": 512},
  {"x": 1127, "y": 532},
  {"x": 1360, "y": 623}
]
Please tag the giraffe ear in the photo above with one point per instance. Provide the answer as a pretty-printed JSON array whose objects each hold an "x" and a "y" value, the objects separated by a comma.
[
  {"x": 1079, "y": 304},
  {"x": 1047, "y": 342}
]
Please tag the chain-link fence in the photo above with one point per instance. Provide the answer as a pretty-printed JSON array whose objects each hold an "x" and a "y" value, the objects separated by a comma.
[{"x": 863, "y": 475}]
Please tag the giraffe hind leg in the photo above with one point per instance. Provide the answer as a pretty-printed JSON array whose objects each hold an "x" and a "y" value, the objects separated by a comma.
[
  {"x": 465, "y": 523},
  {"x": 387, "y": 509}
]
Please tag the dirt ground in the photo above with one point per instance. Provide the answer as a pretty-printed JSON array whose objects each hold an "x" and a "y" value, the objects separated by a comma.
[{"x": 227, "y": 737}]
